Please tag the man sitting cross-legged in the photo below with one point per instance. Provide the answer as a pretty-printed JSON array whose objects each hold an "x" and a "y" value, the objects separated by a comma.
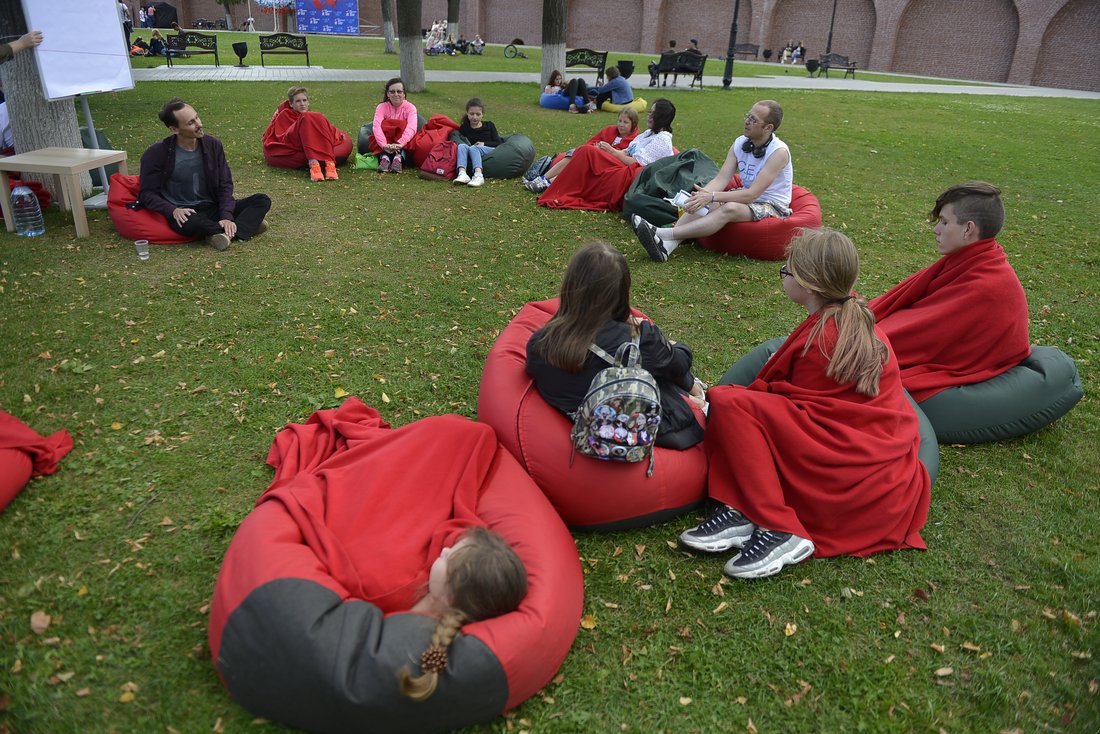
[
  {"x": 764, "y": 162},
  {"x": 185, "y": 178},
  {"x": 963, "y": 319}
]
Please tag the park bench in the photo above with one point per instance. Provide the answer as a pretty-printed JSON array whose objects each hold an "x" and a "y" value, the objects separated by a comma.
[
  {"x": 283, "y": 43},
  {"x": 190, "y": 43},
  {"x": 746, "y": 49},
  {"x": 836, "y": 61},
  {"x": 685, "y": 62},
  {"x": 587, "y": 57}
]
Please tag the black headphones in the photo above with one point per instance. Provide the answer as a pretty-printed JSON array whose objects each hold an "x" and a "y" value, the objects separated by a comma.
[{"x": 757, "y": 151}]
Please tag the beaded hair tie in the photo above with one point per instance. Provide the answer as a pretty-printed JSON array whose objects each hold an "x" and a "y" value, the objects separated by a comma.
[{"x": 433, "y": 660}]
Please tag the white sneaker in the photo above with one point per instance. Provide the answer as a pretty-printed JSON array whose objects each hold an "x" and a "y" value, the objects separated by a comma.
[
  {"x": 477, "y": 180},
  {"x": 463, "y": 177}
]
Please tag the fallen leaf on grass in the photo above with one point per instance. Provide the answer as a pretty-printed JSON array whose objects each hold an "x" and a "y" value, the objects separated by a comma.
[
  {"x": 1070, "y": 618},
  {"x": 639, "y": 551},
  {"x": 40, "y": 622},
  {"x": 588, "y": 621},
  {"x": 751, "y": 727},
  {"x": 944, "y": 672},
  {"x": 790, "y": 628},
  {"x": 219, "y": 726},
  {"x": 721, "y": 607},
  {"x": 937, "y": 647},
  {"x": 971, "y": 647},
  {"x": 685, "y": 700},
  {"x": 126, "y": 697},
  {"x": 1082, "y": 655},
  {"x": 385, "y": 398},
  {"x": 16, "y": 666},
  {"x": 83, "y": 692},
  {"x": 340, "y": 393},
  {"x": 889, "y": 659},
  {"x": 741, "y": 700}
]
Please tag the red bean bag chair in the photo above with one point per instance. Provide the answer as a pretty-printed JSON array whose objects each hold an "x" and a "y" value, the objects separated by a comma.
[
  {"x": 589, "y": 494},
  {"x": 305, "y": 623},
  {"x": 140, "y": 224},
  {"x": 768, "y": 238},
  {"x": 24, "y": 453}
]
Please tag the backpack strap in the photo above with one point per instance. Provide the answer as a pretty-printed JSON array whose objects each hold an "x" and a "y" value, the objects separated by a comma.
[
  {"x": 595, "y": 349},
  {"x": 627, "y": 355}
]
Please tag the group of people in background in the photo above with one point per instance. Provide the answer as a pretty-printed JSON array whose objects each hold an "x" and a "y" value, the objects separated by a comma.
[
  {"x": 438, "y": 41},
  {"x": 793, "y": 53}
]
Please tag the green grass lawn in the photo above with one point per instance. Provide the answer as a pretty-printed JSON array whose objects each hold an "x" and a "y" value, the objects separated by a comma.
[{"x": 174, "y": 374}]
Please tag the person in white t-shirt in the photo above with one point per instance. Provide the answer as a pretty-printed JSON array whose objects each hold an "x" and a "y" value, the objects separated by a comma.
[{"x": 767, "y": 175}]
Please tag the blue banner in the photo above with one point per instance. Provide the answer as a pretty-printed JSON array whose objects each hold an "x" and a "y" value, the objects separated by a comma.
[{"x": 328, "y": 16}]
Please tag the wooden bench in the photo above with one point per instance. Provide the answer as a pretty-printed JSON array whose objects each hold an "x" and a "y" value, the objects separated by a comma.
[
  {"x": 836, "y": 61},
  {"x": 588, "y": 58},
  {"x": 190, "y": 43},
  {"x": 685, "y": 62},
  {"x": 747, "y": 49},
  {"x": 282, "y": 44}
]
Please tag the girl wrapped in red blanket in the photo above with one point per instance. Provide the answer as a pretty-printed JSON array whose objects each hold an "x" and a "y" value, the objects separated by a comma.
[
  {"x": 618, "y": 136},
  {"x": 819, "y": 453},
  {"x": 598, "y": 176},
  {"x": 963, "y": 319},
  {"x": 409, "y": 541},
  {"x": 296, "y": 138}
]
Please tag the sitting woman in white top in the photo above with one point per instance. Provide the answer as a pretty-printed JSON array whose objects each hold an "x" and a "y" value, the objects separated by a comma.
[{"x": 764, "y": 162}]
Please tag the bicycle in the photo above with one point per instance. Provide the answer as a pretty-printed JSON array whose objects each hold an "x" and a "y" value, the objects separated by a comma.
[{"x": 511, "y": 52}]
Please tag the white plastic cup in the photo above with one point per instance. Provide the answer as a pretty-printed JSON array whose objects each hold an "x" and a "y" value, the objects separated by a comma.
[{"x": 142, "y": 247}]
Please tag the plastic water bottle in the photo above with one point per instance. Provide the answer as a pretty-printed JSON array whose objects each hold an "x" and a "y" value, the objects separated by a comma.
[{"x": 27, "y": 214}]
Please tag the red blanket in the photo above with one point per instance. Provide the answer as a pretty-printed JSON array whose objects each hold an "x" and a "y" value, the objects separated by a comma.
[
  {"x": 292, "y": 139},
  {"x": 378, "y": 505},
  {"x": 797, "y": 452},
  {"x": 593, "y": 180},
  {"x": 961, "y": 320},
  {"x": 606, "y": 135},
  {"x": 25, "y": 453},
  {"x": 45, "y": 451}
]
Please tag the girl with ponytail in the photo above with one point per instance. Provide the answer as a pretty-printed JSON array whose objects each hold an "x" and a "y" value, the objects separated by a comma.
[
  {"x": 477, "y": 578},
  {"x": 818, "y": 455}
]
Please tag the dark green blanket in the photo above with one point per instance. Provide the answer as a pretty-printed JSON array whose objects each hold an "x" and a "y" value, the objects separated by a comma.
[{"x": 661, "y": 179}]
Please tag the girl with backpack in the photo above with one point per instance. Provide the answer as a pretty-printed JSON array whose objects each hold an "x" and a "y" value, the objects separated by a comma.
[
  {"x": 484, "y": 139},
  {"x": 595, "y": 309},
  {"x": 819, "y": 453}
]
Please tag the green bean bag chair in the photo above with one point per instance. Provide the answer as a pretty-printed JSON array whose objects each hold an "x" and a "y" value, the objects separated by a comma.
[
  {"x": 744, "y": 371},
  {"x": 511, "y": 159},
  {"x": 1033, "y": 394},
  {"x": 638, "y": 104},
  {"x": 661, "y": 179}
]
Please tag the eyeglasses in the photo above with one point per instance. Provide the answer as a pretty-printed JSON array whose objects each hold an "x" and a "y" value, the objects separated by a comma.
[
  {"x": 751, "y": 119},
  {"x": 395, "y": 91},
  {"x": 783, "y": 272}
]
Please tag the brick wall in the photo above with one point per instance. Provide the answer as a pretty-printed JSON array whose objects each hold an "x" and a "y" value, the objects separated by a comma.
[{"x": 1042, "y": 42}]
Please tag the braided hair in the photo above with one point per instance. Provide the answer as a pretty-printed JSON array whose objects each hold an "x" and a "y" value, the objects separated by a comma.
[{"x": 485, "y": 579}]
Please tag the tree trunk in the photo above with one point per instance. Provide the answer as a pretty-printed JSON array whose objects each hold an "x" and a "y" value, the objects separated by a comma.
[
  {"x": 452, "y": 19},
  {"x": 387, "y": 27},
  {"x": 412, "y": 50},
  {"x": 35, "y": 123},
  {"x": 553, "y": 36}
]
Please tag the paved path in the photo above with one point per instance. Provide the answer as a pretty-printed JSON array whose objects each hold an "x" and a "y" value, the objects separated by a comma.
[{"x": 196, "y": 73}]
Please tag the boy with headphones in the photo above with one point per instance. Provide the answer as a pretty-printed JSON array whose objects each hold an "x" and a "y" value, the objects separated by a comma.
[{"x": 764, "y": 162}]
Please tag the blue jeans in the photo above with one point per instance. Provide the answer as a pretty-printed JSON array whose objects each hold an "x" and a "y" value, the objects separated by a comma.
[{"x": 475, "y": 153}]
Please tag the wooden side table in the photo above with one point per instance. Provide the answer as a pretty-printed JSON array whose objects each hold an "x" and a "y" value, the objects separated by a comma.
[{"x": 65, "y": 163}]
